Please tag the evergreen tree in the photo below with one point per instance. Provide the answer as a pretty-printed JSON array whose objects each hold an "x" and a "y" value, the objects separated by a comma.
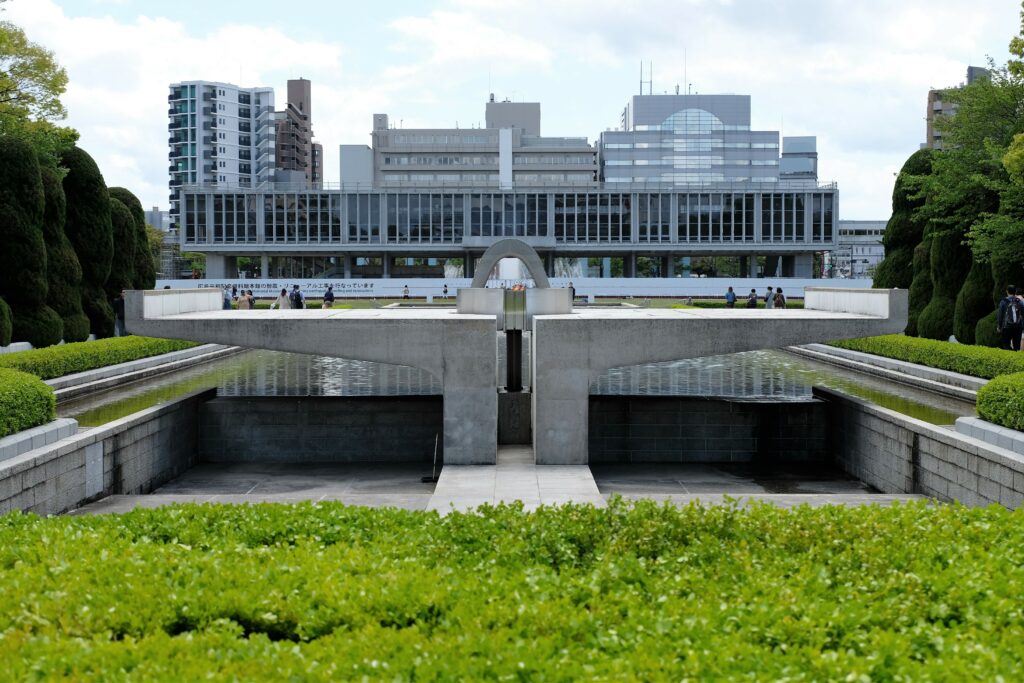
[
  {"x": 145, "y": 270},
  {"x": 23, "y": 254},
  {"x": 122, "y": 265},
  {"x": 62, "y": 269},
  {"x": 973, "y": 302},
  {"x": 920, "y": 286},
  {"x": 905, "y": 229},
  {"x": 89, "y": 229},
  {"x": 5, "y": 323}
]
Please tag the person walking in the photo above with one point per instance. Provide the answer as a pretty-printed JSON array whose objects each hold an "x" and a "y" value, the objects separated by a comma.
[
  {"x": 752, "y": 299},
  {"x": 779, "y": 300},
  {"x": 405, "y": 292},
  {"x": 1010, "y": 320},
  {"x": 730, "y": 299},
  {"x": 119, "y": 330},
  {"x": 246, "y": 302},
  {"x": 296, "y": 299},
  {"x": 444, "y": 291},
  {"x": 281, "y": 301},
  {"x": 227, "y": 298},
  {"x": 769, "y": 299},
  {"x": 329, "y": 297}
]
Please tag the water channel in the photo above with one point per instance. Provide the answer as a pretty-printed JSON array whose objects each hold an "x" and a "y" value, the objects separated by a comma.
[{"x": 774, "y": 375}]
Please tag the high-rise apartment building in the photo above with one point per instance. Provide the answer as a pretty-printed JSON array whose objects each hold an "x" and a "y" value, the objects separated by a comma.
[
  {"x": 296, "y": 151},
  {"x": 939, "y": 106},
  {"x": 220, "y": 136}
]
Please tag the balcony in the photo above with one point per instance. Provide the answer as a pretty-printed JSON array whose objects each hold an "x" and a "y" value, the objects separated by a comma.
[
  {"x": 244, "y": 154},
  {"x": 244, "y": 98},
  {"x": 244, "y": 141},
  {"x": 243, "y": 113},
  {"x": 244, "y": 127},
  {"x": 209, "y": 96},
  {"x": 176, "y": 124},
  {"x": 210, "y": 154},
  {"x": 209, "y": 125},
  {"x": 207, "y": 111}
]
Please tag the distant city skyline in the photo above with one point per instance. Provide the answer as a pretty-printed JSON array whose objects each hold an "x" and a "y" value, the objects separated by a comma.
[{"x": 857, "y": 77}]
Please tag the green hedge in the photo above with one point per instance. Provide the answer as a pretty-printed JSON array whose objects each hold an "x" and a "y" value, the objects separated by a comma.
[
  {"x": 57, "y": 361},
  {"x": 5, "y": 324},
  {"x": 326, "y": 592},
  {"x": 1001, "y": 401},
  {"x": 978, "y": 361},
  {"x": 25, "y": 401}
]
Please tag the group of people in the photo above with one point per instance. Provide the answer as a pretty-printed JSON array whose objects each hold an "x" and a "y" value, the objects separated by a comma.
[
  {"x": 773, "y": 298},
  {"x": 245, "y": 301},
  {"x": 1010, "y": 319}
]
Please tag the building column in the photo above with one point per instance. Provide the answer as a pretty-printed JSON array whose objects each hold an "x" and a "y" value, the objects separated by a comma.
[
  {"x": 629, "y": 265},
  {"x": 606, "y": 266},
  {"x": 264, "y": 266},
  {"x": 549, "y": 263},
  {"x": 346, "y": 264},
  {"x": 467, "y": 265},
  {"x": 669, "y": 269},
  {"x": 752, "y": 265},
  {"x": 386, "y": 262},
  {"x": 803, "y": 265},
  {"x": 216, "y": 266}
]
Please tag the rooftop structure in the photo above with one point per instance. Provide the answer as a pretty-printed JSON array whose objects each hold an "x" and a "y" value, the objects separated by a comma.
[{"x": 940, "y": 106}]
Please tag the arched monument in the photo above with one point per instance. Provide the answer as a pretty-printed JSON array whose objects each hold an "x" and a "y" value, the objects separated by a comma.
[{"x": 510, "y": 248}]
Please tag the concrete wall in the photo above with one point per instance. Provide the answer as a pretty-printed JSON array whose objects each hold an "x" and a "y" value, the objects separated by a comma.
[
  {"x": 686, "y": 429},
  {"x": 135, "y": 454},
  {"x": 898, "y": 454},
  {"x": 321, "y": 429}
]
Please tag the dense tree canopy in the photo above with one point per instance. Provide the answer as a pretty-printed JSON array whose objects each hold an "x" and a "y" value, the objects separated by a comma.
[
  {"x": 143, "y": 268},
  {"x": 63, "y": 270}
]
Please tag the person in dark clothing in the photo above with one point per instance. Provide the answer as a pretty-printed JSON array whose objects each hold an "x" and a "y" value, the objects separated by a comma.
[
  {"x": 1010, "y": 320},
  {"x": 752, "y": 299},
  {"x": 119, "y": 330},
  {"x": 730, "y": 299},
  {"x": 329, "y": 297}
]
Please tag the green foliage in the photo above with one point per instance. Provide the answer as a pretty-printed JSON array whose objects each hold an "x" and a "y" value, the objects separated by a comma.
[
  {"x": 1001, "y": 401},
  {"x": 904, "y": 229},
  {"x": 645, "y": 592},
  {"x": 64, "y": 294},
  {"x": 973, "y": 302},
  {"x": 70, "y": 358},
  {"x": 5, "y": 323},
  {"x": 949, "y": 264},
  {"x": 25, "y": 402},
  {"x": 977, "y": 361},
  {"x": 31, "y": 81},
  {"x": 985, "y": 333},
  {"x": 122, "y": 265},
  {"x": 144, "y": 263},
  {"x": 89, "y": 229},
  {"x": 920, "y": 286},
  {"x": 23, "y": 257}
]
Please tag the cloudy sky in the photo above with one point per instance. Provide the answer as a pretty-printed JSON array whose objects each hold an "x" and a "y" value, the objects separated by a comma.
[{"x": 856, "y": 74}]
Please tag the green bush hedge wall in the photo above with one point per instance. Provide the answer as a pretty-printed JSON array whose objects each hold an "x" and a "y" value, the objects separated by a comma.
[
  {"x": 973, "y": 302},
  {"x": 89, "y": 229},
  {"x": 25, "y": 402},
  {"x": 122, "y": 264},
  {"x": 1001, "y": 401},
  {"x": 921, "y": 286},
  {"x": 62, "y": 268},
  {"x": 904, "y": 230},
  {"x": 950, "y": 262},
  {"x": 145, "y": 271},
  {"x": 69, "y": 358},
  {"x": 977, "y": 361}
]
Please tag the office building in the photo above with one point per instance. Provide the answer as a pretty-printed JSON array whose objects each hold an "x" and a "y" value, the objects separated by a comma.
[
  {"x": 298, "y": 156},
  {"x": 161, "y": 220},
  {"x": 859, "y": 248},
  {"x": 220, "y": 136},
  {"x": 940, "y": 106}
]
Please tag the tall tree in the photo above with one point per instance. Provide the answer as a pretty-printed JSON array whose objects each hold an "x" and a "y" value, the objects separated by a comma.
[
  {"x": 905, "y": 228},
  {"x": 64, "y": 273},
  {"x": 31, "y": 81},
  {"x": 23, "y": 282},
  {"x": 89, "y": 228},
  {"x": 122, "y": 264},
  {"x": 144, "y": 268}
]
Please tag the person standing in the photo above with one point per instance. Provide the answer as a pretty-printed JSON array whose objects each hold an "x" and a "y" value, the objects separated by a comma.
[
  {"x": 444, "y": 291},
  {"x": 405, "y": 292},
  {"x": 752, "y": 299},
  {"x": 227, "y": 298},
  {"x": 245, "y": 301},
  {"x": 769, "y": 299},
  {"x": 1010, "y": 320},
  {"x": 779, "y": 300},
  {"x": 329, "y": 297},
  {"x": 282, "y": 301},
  {"x": 730, "y": 299},
  {"x": 119, "y": 330}
]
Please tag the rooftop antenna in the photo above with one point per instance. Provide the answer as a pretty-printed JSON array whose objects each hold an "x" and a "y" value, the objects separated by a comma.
[
  {"x": 686, "y": 78},
  {"x": 650, "y": 76},
  {"x": 648, "y": 82}
]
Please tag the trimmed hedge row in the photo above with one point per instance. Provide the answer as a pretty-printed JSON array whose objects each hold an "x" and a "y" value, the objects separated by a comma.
[
  {"x": 978, "y": 361},
  {"x": 1001, "y": 401},
  {"x": 57, "y": 361},
  {"x": 324, "y": 592},
  {"x": 25, "y": 402}
]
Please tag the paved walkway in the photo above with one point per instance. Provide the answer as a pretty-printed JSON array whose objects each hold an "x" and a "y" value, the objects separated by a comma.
[{"x": 515, "y": 477}]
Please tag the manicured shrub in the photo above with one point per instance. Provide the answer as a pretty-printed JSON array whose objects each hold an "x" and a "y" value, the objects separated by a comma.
[
  {"x": 1001, "y": 401},
  {"x": 5, "y": 323},
  {"x": 62, "y": 268},
  {"x": 978, "y": 361},
  {"x": 904, "y": 229},
  {"x": 920, "y": 287},
  {"x": 122, "y": 265},
  {"x": 22, "y": 249},
  {"x": 1004, "y": 273},
  {"x": 145, "y": 270},
  {"x": 69, "y": 358},
  {"x": 25, "y": 402},
  {"x": 950, "y": 262},
  {"x": 89, "y": 229},
  {"x": 973, "y": 302},
  {"x": 325, "y": 592}
]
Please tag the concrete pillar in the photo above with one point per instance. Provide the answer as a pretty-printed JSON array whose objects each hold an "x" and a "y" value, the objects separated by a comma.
[
  {"x": 788, "y": 265},
  {"x": 346, "y": 262},
  {"x": 629, "y": 265},
  {"x": 771, "y": 265},
  {"x": 216, "y": 266},
  {"x": 264, "y": 266},
  {"x": 803, "y": 265},
  {"x": 386, "y": 261},
  {"x": 468, "y": 262},
  {"x": 669, "y": 269},
  {"x": 606, "y": 267},
  {"x": 753, "y": 265},
  {"x": 549, "y": 263}
]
